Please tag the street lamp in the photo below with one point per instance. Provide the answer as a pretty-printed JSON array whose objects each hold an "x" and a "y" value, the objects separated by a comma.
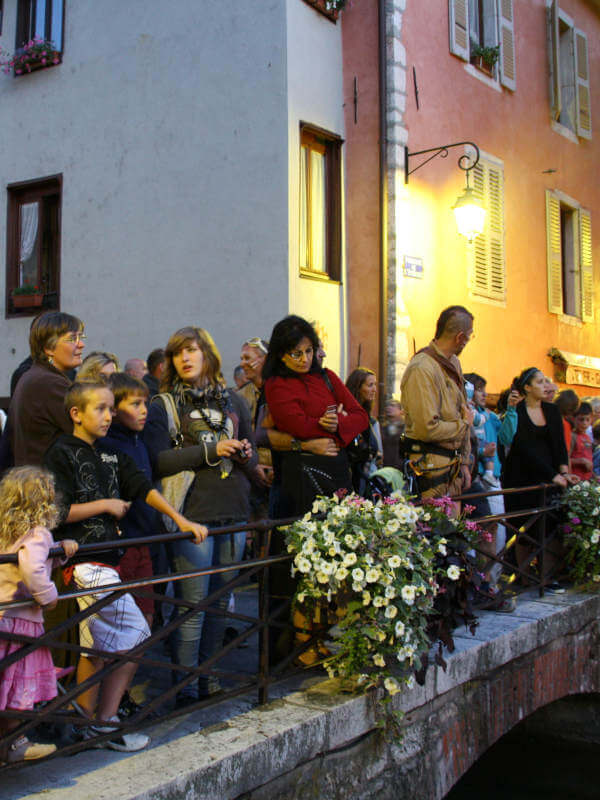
[{"x": 470, "y": 216}]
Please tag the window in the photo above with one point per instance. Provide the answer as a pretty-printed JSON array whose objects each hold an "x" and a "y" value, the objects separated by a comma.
[
  {"x": 33, "y": 241},
  {"x": 569, "y": 73},
  {"x": 476, "y": 24},
  {"x": 569, "y": 253},
  {"x": 42, "y": 18},
  {"x": 488, "y": 277},
  {"x": 320, "y": 203}
]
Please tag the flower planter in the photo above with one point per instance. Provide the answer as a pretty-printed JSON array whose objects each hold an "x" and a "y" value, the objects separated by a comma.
[
  {"x": 34, "y": 64},
  {"x": 482, "y": 65},
  {"x": 328, "y": 9},
  {"x": 27, "y": 300}
]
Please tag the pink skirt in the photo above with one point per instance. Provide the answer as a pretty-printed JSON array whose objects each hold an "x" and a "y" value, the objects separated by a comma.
[{"x": 31, "y": 679}]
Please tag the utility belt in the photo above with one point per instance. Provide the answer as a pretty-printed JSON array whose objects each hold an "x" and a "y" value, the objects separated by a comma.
[{"x": 429, "y": 476}]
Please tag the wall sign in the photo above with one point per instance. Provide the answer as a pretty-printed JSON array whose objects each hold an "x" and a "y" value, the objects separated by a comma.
[{"x": 412, "y": 267}]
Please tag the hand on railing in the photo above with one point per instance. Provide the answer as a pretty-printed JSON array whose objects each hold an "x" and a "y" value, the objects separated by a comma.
[
  {"x": 70, "y": 546},
  {"x": 200, "y": 531}
]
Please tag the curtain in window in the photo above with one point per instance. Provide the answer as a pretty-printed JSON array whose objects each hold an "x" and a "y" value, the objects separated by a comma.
[
  {"x": 317, "y": 210},
  {"x": 303, "y": 208},
  {"x": 28, "y": 221}
]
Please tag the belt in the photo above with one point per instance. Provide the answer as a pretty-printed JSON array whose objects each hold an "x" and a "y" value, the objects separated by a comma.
[{"x": 409, "y": 446}]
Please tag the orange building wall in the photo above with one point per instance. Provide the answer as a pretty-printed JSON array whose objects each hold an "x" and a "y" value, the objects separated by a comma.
[
  {"x": 515, "y": 127},
  {"x": 360, "y": 52}
]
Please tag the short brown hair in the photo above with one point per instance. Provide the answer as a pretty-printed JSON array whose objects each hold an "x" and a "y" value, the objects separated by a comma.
[
  {"x": 78, "y": 395},
  {"x": 123, "y": 386},
  {"x": 47, "y": 329}
]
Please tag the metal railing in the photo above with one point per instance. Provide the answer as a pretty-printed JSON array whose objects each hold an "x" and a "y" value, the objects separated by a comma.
[{"x": 272, "y": 616}]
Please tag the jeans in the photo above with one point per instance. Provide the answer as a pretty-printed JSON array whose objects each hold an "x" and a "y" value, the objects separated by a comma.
[{"x": 201, "y": 636}]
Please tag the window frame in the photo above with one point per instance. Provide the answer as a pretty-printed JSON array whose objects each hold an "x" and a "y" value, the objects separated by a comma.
[
  {"x": 331, "y": 143},
  {"x": 580, "y": 257},
  {"x": 19, "y": 194},
  {"x": 26, "y": 23}
]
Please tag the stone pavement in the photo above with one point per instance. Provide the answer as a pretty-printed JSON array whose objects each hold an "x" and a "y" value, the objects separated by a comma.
[{"x": 305, "y": 742}]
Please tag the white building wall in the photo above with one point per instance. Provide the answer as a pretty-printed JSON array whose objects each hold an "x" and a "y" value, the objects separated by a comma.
[
  {"x": 315, "y": 96},
  {"x": 169, "y": 124}
]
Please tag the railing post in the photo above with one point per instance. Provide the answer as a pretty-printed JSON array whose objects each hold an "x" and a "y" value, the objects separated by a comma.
[
  {"x": 543, "y": 544},
  {"x": 263, "y": 613}
]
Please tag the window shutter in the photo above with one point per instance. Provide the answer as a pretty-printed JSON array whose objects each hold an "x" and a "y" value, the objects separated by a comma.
[
  {"x": 554, "y": 45},
  {"x": 554, "y": 255},
  {"x": 582, "y": 82},
  {"x": 489, "y": 272},
  {"x": 506, "y": 32},
  {"x": 586, "y": 268},
  {"x": 458, "y": 13}
]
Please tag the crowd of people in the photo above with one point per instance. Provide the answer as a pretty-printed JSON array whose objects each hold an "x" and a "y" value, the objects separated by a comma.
[{"x": 91, "y": 453}]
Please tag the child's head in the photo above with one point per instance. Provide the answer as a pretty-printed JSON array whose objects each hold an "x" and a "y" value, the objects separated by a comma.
[
  {"x": 97, "y": 366},
  {"x": 26, "y": 500},
  {"x": 479, "y": 384},
  {"x": 583, "y": 418},
  {"x": 91, "y": 407},
  {"x": 131, "y": 400}
]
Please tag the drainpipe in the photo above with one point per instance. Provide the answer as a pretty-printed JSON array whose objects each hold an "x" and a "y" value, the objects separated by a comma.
[{"x": 382, "y": 370}]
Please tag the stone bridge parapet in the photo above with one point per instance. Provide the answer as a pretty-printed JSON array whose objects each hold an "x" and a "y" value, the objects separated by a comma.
[{"x": 319, "y": 743}]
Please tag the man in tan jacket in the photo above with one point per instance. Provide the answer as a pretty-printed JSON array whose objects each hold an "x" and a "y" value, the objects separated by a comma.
[{"x": 438, "y": 415}]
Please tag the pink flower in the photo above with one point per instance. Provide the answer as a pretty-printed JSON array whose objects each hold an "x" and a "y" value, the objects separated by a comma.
[
  {"x": 470, "y": 525},
  {"x": 469, "y": 509}
]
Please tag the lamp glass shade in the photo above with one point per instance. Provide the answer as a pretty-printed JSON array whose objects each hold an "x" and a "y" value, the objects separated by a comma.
[{"x": 470, "y": 216}]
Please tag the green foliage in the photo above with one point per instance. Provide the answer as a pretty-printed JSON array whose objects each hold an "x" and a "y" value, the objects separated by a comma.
[{"x": 582, "y": 533}]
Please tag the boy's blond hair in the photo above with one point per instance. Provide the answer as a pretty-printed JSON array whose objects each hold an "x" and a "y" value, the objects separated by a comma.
[
  {"x": 78, "y": 395},
  {"x": 27, "y": 499}
]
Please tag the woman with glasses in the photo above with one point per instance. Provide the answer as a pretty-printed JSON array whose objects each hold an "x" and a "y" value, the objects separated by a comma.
[
  {"x": 37, "y": 414},
  {"x": 308, "y": 402}
]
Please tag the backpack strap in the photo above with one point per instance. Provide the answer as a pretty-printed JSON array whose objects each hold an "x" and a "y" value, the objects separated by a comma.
[{"x": 173, "y": 418}]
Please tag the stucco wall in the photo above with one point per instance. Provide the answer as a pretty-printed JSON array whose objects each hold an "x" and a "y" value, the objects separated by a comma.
[
  {"x": 514, "y": 127},
  {"x": 169, "y": 124},
  {"x": 315, "y": 96}
]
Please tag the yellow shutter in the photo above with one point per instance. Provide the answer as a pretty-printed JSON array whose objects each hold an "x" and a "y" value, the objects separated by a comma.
[
  {"x": 458, "y": 18},
  {"x": 582, "y": 83},
  {"x": 506, "y": 33},
  {"x": 553, "y": 48},
  {"x": 554, "y": 254},
  {"x": 586, "y": 267},
  {"x": 489, "y": 270}
]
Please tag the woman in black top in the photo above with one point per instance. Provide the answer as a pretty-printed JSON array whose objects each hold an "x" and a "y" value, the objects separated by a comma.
[{"x": 538, "y": 454}]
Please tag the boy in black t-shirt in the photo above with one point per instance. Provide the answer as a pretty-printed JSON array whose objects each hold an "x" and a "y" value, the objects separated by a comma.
[{"x": 97, "y": 488}]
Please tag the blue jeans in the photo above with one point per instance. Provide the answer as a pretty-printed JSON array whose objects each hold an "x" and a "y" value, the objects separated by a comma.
[{"x": 201, "y": 636}]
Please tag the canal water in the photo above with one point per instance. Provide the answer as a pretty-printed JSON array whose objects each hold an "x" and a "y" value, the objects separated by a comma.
[{"x": 525, "y": 767}]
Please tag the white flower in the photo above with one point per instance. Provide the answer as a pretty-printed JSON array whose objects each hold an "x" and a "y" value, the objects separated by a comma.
[
  {"x": 358, "y": 575},
  {"x": 378, "y": 601},
  {"x": 372, "y": 575},
  {"x": 595, "y": 512},
  {"x": 301, "y": 597},
  {"x": 291, "y": 548},
  {"x": 392, "y": 686},
  {"x": 366, "y": 598},
  {"x": 341, "y": 573},
  {"x": 362, "y": 679},
  {"x": 453, "y": 572},
  {"x": 379, "y": 660},
  {"x": 350, "y": 541},
  {"x": 595, "y": 537},
  {"x": 329, "y": 538},
  {"x": 442, "y": 549},
  {"x": 408, "y": 594},
  {"x": 394, "y": 561},
  {"x": 302, "y": 563},
  {"x": 368, "y": 559},
  {"x": 597, "y": 578},
  {"x": 410, "y": 683},
  {"x": 393, "y": 526},
  {"x": 349, "y": 559},
  {"x": 308, "y": 545},
  {"x": 391, "y": 612},
  {"x": 318, "y": 506},
  {"x": 399, "y": 629},
  {"x": 390, "y": 592},
  {"x": 322, "y": 577},
  {"x": 386, "y": 580},
  {"x": 326, "y": 567},
  {"x": 586, "y": 545}
]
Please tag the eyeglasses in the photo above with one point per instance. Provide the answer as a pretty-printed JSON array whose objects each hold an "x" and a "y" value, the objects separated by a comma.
[
  {"x": 75, "y": 338},
  {"x": 258, "y": 343},
  {"x": 298, "y": 355}
]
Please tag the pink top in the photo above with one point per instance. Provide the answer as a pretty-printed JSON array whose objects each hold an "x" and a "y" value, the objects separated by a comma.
[{"x": 30, "y": 578}]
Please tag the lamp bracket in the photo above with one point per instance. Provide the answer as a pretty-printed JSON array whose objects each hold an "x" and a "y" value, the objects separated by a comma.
[{"x": 466, "y": 162}]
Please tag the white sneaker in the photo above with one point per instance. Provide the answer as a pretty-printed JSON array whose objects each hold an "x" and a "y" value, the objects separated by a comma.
[{"x": 123, "y": 742}]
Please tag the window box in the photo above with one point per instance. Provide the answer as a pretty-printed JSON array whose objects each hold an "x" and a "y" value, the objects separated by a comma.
[
  {"x": 27, "y": 300},
  {"x": 329, "y": 8},
  {"x": 30, "y": 59}
]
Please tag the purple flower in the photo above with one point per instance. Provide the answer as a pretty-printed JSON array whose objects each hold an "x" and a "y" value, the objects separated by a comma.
[
  {"x": 567, "y": 528},
  {"x": 575, "y": 520}
]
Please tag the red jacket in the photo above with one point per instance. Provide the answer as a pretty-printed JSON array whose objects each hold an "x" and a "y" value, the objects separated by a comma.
[{"x": 297, "y": 403}]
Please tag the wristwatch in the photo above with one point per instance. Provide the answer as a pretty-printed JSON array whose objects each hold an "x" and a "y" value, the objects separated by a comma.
[{"x": 296, "y": 445}]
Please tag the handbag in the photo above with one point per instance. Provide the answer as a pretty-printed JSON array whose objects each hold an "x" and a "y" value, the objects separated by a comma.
[{"x": 175, "y": 488}]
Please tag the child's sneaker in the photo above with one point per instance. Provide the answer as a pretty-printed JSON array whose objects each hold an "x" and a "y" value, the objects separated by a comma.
[
  {"x": 24, "y": 750},
  {"x": 123, "y": 742}
]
